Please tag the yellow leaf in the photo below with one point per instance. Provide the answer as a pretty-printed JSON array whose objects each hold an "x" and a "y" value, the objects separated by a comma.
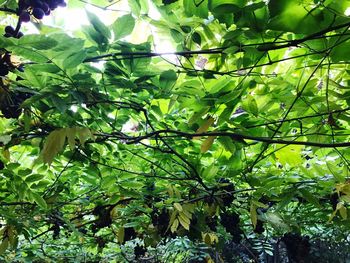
[
  {"x": 177, "y": 193},
  {"x": 178, "y": 207},
  {"x": 174, "y": 226},
  {"x": 210, "y": 238},
  {"x": 5, "y": 139},
  {"x": 207, "y": 239},
  {"x": 345, "y": 198},
  {"x": 184, "y": 217},
  {"x": 12, "y": 236},
  {"x": 172, "y": 219},
  {"x": 207, "y": 144},
  {"x": 184, "y": 221},
  {"x": 275, "y": 220},
  {"x": 214, "y": 238},
  {"x": 84, "y": 134},
  {"x": 186, "y": 212},
  {"x": 121, "y": 233},
  {"x": 54, "y": 143},
  {"x": 253, "y": 214},
  {"x": 339, "y": 187},
  {"x": 343, "y": 212},
  {"x": 259, "y": 204},
  {"x": 170, "y": 191},
  {"x": 6, "y": 154},
  {"x": 332, "y": 216},
  {"x": 4, "y": 245},
  {"x": 198, "y": 115},
  {"x": 189, "y": 207},
  {"x": 26, "y": 120},
  {"x": 344, "y": 188},
  {"x": 205, "y": 126},
  {"x": 114, "y": 213},
  {"x": 71, "y": 137}
]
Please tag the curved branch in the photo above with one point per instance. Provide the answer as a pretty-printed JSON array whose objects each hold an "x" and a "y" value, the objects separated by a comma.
[
  {"x": 234, "y": 136},
  {"x": 268, "y": 46},
  {"x": 296, "y": 42}
]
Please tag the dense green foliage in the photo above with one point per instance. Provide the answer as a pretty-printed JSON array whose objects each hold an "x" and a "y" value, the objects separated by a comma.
[{"x": 241, "y": 134}]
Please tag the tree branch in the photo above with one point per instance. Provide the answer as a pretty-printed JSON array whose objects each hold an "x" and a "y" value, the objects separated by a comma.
[
  {"x": 235, "y": 136},
  {"x": 296, "y": 42},
  {"x": 8, "y": 10},
  {"x": 260, "y": 47}
]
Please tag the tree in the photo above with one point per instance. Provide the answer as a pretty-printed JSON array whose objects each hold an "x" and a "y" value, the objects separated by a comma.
[{"x": 240, "y": 133}]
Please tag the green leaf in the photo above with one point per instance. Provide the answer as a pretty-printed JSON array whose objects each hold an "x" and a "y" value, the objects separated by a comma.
[
  {"x": 296, "y": 16},
  {"x": 339, "y": 53},
  {"x": 67, "y": 44},
  {"x": 39, "y": 200},
  {"x": 49, "y": 68},
  {"x": 96, "y": 37},
  {"x": 108, "y": 181},
  {"x": 167, "y": 79},
  {"x": 24, "y": 172},
  {"x": 35, "y": 78},
  {"x": 133, "y": 184},
  {"x": 74, "y": 59},
  {"x": 228, "y": 144},
  {"x": 59, "y": 103},
  {"x": 219, "y": 84},
  {"x": 33, "y": 178},
  {"x": 98, "y": 25},
  {"x": 40, "y": 185},
  {"x": 123, "y": 26},
  {"x": 39, "y": 42},
  {"x": 310, "y": 197},
  {"x": 135, "y": 7},
  {"x": 249, "y": 104},
  {"x": 6, "y": 42},
  {"x": 177, "y": 35},
  {"x": 29, "y": 53},
  {"x": 194, "y": 8},
  {"x": 226, "y": 6},
  {"x": 290, "y": 154},
  {"x": 196, "y": 38}
]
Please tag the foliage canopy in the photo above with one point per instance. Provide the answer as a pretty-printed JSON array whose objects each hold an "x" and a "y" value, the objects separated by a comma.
[{"x": 241, "y": 131}]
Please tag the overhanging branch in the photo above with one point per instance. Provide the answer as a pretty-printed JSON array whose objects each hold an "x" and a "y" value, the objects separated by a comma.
[
  {"x": 234, "y": 136},
  {"x": 267, "y": 46}
]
